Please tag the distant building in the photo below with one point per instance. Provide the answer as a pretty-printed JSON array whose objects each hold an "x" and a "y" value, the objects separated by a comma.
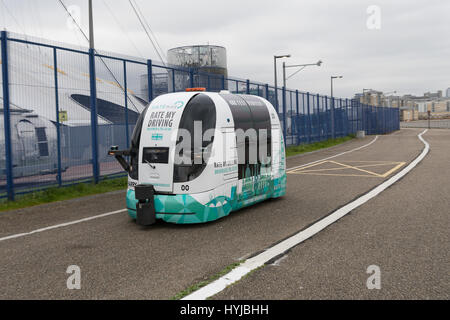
[
  {"x": 435, "y": 103},
  {"x": 436, "y": 95},
  {"x": 371, "y": 97},
  {"x": 411, "y": 107}
]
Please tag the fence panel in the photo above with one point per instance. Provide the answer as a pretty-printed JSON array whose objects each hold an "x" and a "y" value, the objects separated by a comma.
[{"x": 51, "y": 124}]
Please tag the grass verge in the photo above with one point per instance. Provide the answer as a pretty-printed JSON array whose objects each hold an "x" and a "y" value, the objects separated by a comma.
[
  {"x": 64, "y": 193},
  {"x": 195, "y": 287},
  {"x": 303, "y": 148}
]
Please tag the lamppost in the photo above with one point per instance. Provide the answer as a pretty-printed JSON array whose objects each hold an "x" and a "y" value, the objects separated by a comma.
[
  {"x": 391, "y": 93},
  {"x": 301, "y": 66},
  {"x": 91, "y": 27},
  {"x": 93, "y": 98},
  {"x": 364, "y": 96},
  {"x": 275, "y": 71},
  {"x": 332, "y": 106},
  {"x": 332, "y": 78}
]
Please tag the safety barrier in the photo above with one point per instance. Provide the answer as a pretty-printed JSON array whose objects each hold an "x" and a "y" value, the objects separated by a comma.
[{"x": 64, "y": 106}]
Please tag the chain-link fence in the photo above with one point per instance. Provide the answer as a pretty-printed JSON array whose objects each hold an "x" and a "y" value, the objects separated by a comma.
[{"x": 64, "y": 106}]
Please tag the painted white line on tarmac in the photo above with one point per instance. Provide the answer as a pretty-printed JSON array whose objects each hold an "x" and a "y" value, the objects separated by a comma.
[
  {"x": 280, "y": 248},
  {"x": 14, "y": 236}
]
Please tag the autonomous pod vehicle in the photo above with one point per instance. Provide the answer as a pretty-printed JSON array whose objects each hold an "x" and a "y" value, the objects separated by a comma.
[{"x": 239, "y": 159}]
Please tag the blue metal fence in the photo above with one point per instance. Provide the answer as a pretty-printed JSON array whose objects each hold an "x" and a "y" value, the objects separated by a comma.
[{"x": 63, "y": 106}]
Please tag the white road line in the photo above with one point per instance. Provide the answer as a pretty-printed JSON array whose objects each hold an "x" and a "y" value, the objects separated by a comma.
[
  {"x": 272, "y": 252},
  {"x": 60, "y": 225},
  {"x": 122, "y": 210}
]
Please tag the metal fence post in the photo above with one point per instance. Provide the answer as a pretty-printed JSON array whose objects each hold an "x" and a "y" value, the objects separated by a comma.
[
  {"x": 248, "y": 87},
  {"x": 326, "y": 125},
  {"x": 343, "y": 118},
  {"x": 125, "y": 89},
  {"x": 309, "y": 118},
  {"x": 284, "y": 115},
  {"x": 58, "y": 128},
  {"x": 304, "y": 119},
  {"x": 191, "y": 78},
  {"x": 358, "y": 116},
  {"x": 365, "y": 125},
  {"x": 223, "y": 82},
  {"x": 267, "y": 91},
  {"x": 94, "y": 124},
  {"x": 6, "y": 119},
  {"x": 363, "y": 119},
  {"x": 361, "y": 110},
  {"x": 319, "y": 128},
  {"x": 297, "y": 117},
  {"x": 333, "y": 120},
  {"x": 276, "y": 100},
  {"x": 351, "y": 117},
  {"x": 327, "y": 117},
  {"x": 173, "y": 80},
  {"x": 385, "y": 124},
  {"x": 150, "y": 80}
]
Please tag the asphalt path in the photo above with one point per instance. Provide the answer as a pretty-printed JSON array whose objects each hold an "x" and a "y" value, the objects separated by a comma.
[
  {"x": 121, "y": 260},
  {"x": 404, "y": 232}
]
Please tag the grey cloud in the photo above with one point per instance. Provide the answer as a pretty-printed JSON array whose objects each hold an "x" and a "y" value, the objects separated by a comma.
[{"x": 409, "y": 54}]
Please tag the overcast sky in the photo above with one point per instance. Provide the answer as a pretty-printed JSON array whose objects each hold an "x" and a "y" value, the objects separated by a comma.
[{"x": 409, "y": 53}]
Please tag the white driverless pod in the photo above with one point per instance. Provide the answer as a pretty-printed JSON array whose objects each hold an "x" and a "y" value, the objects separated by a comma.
[{"x": 196, "y": 156}]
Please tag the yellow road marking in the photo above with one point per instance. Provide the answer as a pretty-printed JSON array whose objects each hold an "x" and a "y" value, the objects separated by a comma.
[
  {"x": 344, "y": 166},
  {"x": 306, "y": 167},
  {"x": 355, "y": 168},
  {"x": 335, "y": 174},
  {"x": 401, "y": 164}
]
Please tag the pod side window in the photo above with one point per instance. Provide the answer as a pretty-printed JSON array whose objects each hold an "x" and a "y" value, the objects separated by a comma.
[
  {"x": 190, "y": 160},
  {"x": 250, "y": 112}
]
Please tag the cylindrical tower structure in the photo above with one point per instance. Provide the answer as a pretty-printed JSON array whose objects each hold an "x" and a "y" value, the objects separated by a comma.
[{"x": 202, "y": 60}]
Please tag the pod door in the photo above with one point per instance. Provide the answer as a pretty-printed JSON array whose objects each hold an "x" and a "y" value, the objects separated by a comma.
[{"x": 253, "y": 141}]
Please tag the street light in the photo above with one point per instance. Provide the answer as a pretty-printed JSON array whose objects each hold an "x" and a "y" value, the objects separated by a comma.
[
  {"x": 91, "y": 26},
  {"x": 332, "y": 78},
  {"x": 390, "y": 92},
  {"x": 364, "y": 96},
  {"x": 275, "y": 71},
  {"x": 332, "y": 106},
  {"x": 301, "y": 66},
  {"x": 93, "y": 97}
]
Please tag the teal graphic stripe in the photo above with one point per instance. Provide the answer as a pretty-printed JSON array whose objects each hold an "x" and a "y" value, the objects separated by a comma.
[{"x": 184, "y": 209}]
